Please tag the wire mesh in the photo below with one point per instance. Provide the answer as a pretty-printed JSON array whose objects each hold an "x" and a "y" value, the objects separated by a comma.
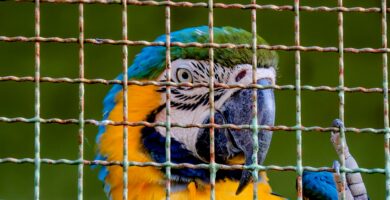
[{"x": 341, "y": 89}]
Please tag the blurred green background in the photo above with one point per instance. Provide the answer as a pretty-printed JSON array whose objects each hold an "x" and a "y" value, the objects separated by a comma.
[{"x": 146, "y": 23}]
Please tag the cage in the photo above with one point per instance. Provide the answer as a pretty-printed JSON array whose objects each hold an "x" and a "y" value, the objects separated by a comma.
[{"x": 59, "y": 57}]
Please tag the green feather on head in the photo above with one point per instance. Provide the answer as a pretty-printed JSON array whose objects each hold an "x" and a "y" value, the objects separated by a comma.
[
  {"x": 151, "y": 61},
  {"x": 227, "y": 57}
]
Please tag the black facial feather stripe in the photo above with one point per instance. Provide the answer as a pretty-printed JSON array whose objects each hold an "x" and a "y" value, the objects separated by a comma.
[
  {"x": 200, "y": 100},
  {"x": 183, "y": 100},
  {"x": 183, "y": 106}
]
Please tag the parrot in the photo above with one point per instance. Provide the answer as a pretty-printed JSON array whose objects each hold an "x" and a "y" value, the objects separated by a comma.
[
  {"x": 326, "y": 185},
  {"x": 190, "y": 105}
]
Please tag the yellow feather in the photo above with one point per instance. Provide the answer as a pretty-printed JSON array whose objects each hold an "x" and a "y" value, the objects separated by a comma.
[{"x": 142, "y": 100}]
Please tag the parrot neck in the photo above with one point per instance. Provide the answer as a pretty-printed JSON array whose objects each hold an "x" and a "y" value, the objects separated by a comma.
[{"x": 154, "y": 143}]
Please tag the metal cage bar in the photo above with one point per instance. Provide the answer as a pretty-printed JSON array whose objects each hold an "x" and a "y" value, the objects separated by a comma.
[
  {"x": 255, "y": 172},
  {"x": 102, "y": 41},
  {"x": 298, "y": 99},
  {"x": 213, "y": 166},
  {"x": 385, "y": 97},
  {"x": 322, "y": 88},
  {"x": 185, "y": 165},
  {"x": 221, "y": 5},
  {"x": 125, "y": 101},
  {"x": 168, "y": 101},
  {"x": 37, "y": 145},
  {"x": 341, "y": 94},
  {"x": 80, "y": 184},
  {"x": 148, "y": 124}
]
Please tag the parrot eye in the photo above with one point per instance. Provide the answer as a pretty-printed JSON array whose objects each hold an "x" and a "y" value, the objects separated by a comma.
[{"x": 184, "y": 75}]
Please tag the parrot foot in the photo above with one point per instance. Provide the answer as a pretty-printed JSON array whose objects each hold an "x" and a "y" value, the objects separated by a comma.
[
  {"x": 336, "y": 140},
  {"x": 337, "y": 123},
  {"x": 354, "y": 185}
]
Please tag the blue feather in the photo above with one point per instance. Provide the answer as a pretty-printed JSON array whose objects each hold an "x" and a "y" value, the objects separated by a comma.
[{"x": 319, "y": 186}]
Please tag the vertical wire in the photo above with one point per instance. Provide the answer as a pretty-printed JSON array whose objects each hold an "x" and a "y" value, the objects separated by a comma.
[
  {"x": 385, "y": 97},
  {"x": 37, "y": 143},
  {"x": 298, "y": 99},
  {"x": 168, "y": 101},
  {"x": 255, "y": 135},
  {"x": 125, "y": 106},
  {"x": 213, "y": 170},
  {"x": 341, "y": 93},
  {"x": 81, "y": 103}
]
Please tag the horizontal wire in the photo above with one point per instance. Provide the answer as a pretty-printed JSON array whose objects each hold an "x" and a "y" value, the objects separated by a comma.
[
  {"x": 99, "y": 41},
  {"x": 162, "y": 124},
  {"x": 194, "y": 85},
  {"x": 220, "y": 5},
  {"x": 187, "y": 165}
]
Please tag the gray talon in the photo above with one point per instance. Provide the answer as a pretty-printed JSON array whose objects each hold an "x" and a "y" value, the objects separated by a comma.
[
  {"x": 354, "y": 188},
  {"x": 336, "y": 166},
  {"x": 337, "y": 123}
]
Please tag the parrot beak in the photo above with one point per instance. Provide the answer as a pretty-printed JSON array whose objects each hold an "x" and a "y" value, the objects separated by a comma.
[
  {"x": 243, "y": 138},
  {"x": 232, "y": 142}
]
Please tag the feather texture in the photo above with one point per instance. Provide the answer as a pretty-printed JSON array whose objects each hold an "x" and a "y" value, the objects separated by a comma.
[
  {"x": 147, "y": 182},
  {"x": 319, "y": 186}
]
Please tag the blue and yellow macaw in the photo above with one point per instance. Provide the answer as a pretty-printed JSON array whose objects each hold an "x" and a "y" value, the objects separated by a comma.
[{"x": 191, "y": 106}]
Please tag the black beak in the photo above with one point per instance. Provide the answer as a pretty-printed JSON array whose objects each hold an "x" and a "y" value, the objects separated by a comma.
[{"x": 231, "y": 142}]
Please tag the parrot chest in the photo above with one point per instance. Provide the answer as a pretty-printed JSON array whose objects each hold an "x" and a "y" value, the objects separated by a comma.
[{"x": 193, "y": 191}]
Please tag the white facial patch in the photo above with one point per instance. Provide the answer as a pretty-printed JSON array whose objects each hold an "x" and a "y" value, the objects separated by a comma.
[{"x": 191, "y": 105}]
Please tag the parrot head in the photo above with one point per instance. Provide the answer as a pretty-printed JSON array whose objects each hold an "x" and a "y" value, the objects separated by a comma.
[{"x": 190, "y": 105}]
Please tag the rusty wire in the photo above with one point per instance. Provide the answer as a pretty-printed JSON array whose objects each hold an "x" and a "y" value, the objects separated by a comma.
[
  {"x": 162, "y": 124},
  {"x": 186, "y": 165},
  {"x": 298, "y": 114},
  {"x": 255, "y": 135},
  {"x": 341, "y": 94},
  {"x": 125, "y": 102},
  {"x": 194, "y": 85},
  {"x": 222, "y": 5},
  {"x": 168, "y": 101},
  {"x": 80, "y": 181},
  {"x": 102, "y": 41},
  {"x": 37, "y": 103},
  {"x": 212, "y": 165},
  {"x": 385, "y": 97}
]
